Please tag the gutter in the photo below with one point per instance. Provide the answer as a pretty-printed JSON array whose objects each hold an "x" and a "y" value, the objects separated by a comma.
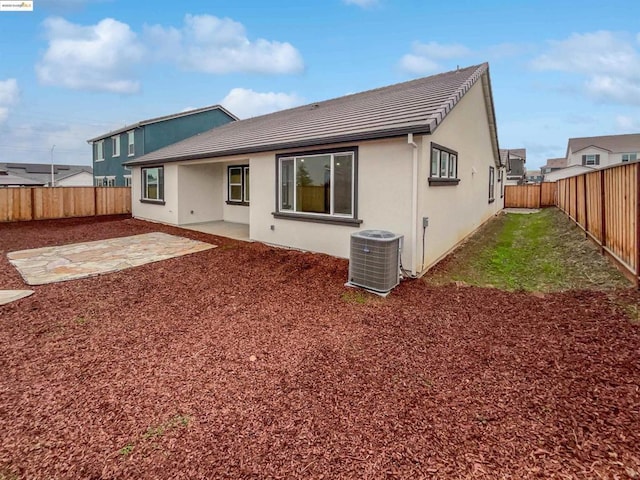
[{"x": 414, "y": 205}]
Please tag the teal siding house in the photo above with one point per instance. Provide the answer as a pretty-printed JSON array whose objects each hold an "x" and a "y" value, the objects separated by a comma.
[{"x": 112, "y": 149}]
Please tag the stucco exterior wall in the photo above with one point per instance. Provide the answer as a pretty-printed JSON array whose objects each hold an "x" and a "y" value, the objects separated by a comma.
[
  {"x": 605, "y": 158},
  {"x": 82, "y": 179},
  {"x": 200, "y": 190},
  {"x": 167, "y": 213},
  {"x": 455, "y": 211},
  {"x": 384, "y": 201}
]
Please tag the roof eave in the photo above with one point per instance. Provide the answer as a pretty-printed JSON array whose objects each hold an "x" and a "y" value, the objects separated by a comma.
[{"x": 314, "y": 142}]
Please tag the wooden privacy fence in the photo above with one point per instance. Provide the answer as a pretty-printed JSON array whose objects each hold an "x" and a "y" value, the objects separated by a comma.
[
  {"x": 38, "y": 203},
  {"x": 530, "y": 196},
  {"x": 606, "y": 205}
]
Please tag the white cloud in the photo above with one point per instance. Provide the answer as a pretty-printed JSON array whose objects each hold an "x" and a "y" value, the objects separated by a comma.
[
  {"x": 9, "y": 94},
  {"x": 425, "y": 57},
  {"x": 246, "y": 103},
  {"x": 98, "y": 57},
  {"x": 610, "y": 63},
  {"x": 627, "y": 124},
  {"x": 362, "y": 3},
  {"x": 210, "y": 44}
]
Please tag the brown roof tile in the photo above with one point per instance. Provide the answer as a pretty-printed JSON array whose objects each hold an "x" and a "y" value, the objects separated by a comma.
[
  {"x": 417, "y": 106},
  {"x": 613, "y": 143}
]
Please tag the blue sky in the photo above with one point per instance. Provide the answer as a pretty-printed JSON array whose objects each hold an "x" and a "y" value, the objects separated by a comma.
[{"x": 74, "y": 69}]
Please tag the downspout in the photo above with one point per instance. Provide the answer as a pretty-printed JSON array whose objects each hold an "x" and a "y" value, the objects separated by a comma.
[{"x": 414, "y": 206}]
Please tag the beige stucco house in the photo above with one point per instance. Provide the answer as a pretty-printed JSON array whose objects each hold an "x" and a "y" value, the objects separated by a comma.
[
  {"x": 419, "y": 159},
  {"x": 603, "y": 151}
]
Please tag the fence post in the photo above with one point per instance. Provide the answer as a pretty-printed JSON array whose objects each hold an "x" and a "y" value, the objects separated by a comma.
[
  {"x": 586, "y": 210},
  {"x": 33, "y": 202},
  {"x": 95, "y": 201},
  {"x": 638, "y": 225},
  {"x": 603, "y": 210}
]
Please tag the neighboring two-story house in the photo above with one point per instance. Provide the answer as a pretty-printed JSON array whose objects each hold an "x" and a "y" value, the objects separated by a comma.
[
  {"x": 599, "y": 152},
  {"x": 585, "y": 154},
  {"x": 514, "y": 159},
  {"x": 112, "y": 149}
]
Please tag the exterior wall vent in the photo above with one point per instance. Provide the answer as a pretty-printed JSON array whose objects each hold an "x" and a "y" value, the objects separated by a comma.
[{"x": 374, "y": 261}]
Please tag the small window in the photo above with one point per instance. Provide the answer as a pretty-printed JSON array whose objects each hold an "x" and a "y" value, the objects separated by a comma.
[
  {"x": 501, "y": 182},
  {"x": 109, "y": 181},
  {"x": 629, "y": 157},
  {"x": 99, "y": 150},
  {"x": 100, "y": 181},
  {"x": 238, "y": 184},
  {"x": 492, "y": 184},
  {"x": 127, "y": 180},
  {"x": 131, "y": 148},
  {"x": 153, "y": 184},
  {"x": 591, "y": 159},
  {"x": 444, "y": 166},
  {"x": 115, "y": 146}
]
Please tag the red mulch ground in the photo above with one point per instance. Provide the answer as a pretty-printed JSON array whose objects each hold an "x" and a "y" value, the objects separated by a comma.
[{"x": 147, "y": 373}]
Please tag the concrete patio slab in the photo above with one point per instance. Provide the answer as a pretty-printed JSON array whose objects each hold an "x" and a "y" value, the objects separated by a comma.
[
  {"x": 237, "y": 231},
  {"x": 40, "y": 266},
  {"x": 8, "y": 296}
]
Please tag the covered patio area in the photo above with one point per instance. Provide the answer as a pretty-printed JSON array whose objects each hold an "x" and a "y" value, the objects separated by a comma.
[{"x": 237, "y": 231}]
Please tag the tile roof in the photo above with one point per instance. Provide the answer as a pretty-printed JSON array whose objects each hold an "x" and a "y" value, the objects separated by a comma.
[
  {"x": 614, "y": 143},
  {"x": 556, "y": 162},
  {"x": 416, "y": 106},
  {"x": 149, "y": 121}
]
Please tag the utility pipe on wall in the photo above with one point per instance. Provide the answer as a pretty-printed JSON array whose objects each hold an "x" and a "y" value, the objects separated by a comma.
[{"x": 414, "y": 206}]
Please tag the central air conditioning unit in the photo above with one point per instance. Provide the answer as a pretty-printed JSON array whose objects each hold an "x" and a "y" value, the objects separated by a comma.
[{"x": 374, "y": 262}]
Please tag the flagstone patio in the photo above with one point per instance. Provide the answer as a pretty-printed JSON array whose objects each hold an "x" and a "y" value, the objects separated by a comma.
[{"x": 40, "y": 266}]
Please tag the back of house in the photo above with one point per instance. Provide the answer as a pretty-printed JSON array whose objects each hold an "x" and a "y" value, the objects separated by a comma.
[{"x": 419, "y": 159}]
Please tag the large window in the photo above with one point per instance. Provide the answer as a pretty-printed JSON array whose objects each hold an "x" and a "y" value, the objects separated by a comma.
[
  {"x": 492, "y": 184},
  {"x": 115, "y": 146},
  {"x": 131, "y": 148},
  {"x": 99, "y": 153},
  {"x": 444, "y": 166},
  {"x": 629, "y": 157},
  {"x": 238, "y": 184},
  {"x": 320, "y": 184},
  {"x": 153, "y": 184}
]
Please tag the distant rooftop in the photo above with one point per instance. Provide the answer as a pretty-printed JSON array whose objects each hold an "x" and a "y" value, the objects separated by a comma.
[
  {"x": 628, "y": 143},
  {"x": 149, "y": 121}
]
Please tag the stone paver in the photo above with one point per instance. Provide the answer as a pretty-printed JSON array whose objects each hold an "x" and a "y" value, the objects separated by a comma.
[
  {"x": 39, "y": 266},
  {"x": 8, "y": 296}
]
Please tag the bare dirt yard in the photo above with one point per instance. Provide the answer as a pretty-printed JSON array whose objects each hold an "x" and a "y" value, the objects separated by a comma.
[{"x": 253, "y": 362}]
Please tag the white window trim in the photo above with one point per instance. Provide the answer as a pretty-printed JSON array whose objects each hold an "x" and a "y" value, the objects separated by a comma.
[
  {"x": 131, "y": 142},
  {"x": 144, "y": 184},
  {"x": 452, "y": 160},
  {"x": 243, "y": 169},
  {"x": 115, "y": 141},
  {"x": 99, "y": 149},
  {"x": 127, "y": 180},
  {"x": 590, "y": 157},
  {"x": 629, "y": 155},
  {"x": 332, "y": 214}
]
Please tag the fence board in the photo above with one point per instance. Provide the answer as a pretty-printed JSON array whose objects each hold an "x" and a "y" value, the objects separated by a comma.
[
  {"x": 37, "y": 203},
  {"x": 530, "y": 196}
]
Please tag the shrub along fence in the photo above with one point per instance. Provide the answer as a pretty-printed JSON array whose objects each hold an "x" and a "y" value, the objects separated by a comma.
[
  {"x": 38, "y": 203},
  {"x": 530, "y": 196},
  {"x": 606, "y": 205}
]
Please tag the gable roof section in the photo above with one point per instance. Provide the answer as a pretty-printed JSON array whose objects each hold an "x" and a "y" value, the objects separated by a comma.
[
  {"x": 613, "y": 143},
  {"x": 556, "y": 162},
  {"x": 164, "y": 118},
  {"x": 417, "y": 106}
]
